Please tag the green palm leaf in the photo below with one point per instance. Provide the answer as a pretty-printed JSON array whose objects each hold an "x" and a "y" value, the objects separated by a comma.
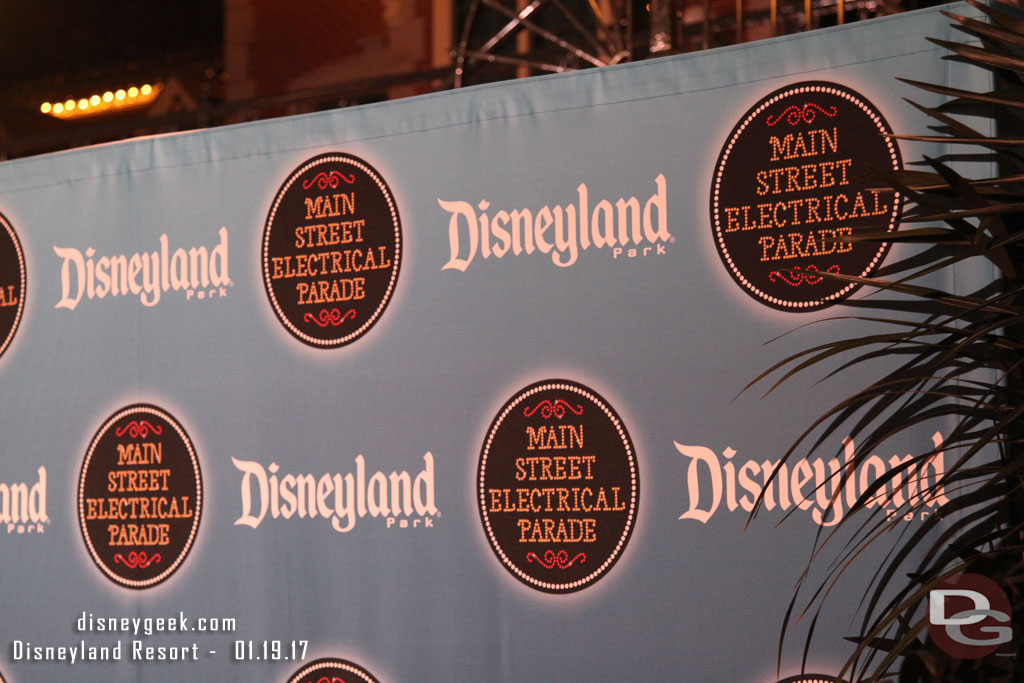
[{"x": 954, "y": 357}]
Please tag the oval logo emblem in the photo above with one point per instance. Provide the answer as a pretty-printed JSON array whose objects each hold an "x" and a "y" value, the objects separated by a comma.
[
  {"x": 558, "y": 486},
  {"x": 140, "y": 494},
  {"x": 12, "y": 283},
  {"x": 792, "y": 181},
  {"x": 332, "y": 247},
  {"x": 332, "y": 671}
]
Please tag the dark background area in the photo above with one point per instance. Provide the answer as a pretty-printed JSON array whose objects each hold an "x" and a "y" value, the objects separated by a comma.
[
  {"x": 48, "y": 39},
  {"x": 217, "y": 62}
]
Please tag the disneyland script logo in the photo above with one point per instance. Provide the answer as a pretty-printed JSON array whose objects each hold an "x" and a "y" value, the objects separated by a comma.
[
  {"x": 828, "y": 488},
  {"x": 401, "y": 499},
  {"x": 23, "y": 506},
  {"x": 629, "y": 227},
  {"x": 201, "y": 272}
]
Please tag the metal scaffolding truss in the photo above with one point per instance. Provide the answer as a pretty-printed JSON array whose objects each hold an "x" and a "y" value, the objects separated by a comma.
[
  {"x": 514, "y": 38},
  {"x": 544, "y": 35}
]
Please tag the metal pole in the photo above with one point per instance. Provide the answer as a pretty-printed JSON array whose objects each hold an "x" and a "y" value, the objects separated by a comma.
[
  {"x": 523, "y": 43},
  {"x": 707, "y": 25},
  {"x": 661, "y": 25},
  {"x": 739, "y": 21}
]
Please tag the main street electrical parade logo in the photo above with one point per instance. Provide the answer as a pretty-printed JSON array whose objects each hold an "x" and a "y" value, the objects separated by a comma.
[
  {"x": 332, "y": 671},
  {"x": 558, "y": 486},
  {"x": 792, "y": 183},
  {"x": 332, "y": 246},
  {"x": 12, "y": 283},
  {"x": 140, "y": 494}
]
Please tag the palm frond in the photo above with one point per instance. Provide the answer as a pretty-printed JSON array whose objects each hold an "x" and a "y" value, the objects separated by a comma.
[{"x": 953, "y": 358}]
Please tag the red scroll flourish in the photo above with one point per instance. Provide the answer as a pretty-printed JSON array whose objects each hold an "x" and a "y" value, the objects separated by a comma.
[
  {"x": 324, "y": 180},
  {"x": 549, "y": 409},
  {"x": 330, "y": 317},
  {"x": 795, "y": 115},
  {"x": 137, "y": 560},
  {"x": 139, "y": 428},
  {"x": 798, "y": 277},
  {"x": 553, "y": 559}
]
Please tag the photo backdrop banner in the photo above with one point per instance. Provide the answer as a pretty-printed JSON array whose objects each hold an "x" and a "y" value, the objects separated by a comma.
[{"x": 445, "y": 389}]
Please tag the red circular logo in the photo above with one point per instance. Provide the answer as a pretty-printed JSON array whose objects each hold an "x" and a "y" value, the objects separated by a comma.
[
  {"x": 969, "y": 616},
  {"x": 332, "y": 671}
]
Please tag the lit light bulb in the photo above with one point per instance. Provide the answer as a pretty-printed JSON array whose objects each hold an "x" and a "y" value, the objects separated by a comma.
[
  {"x": 45, "y": 107},
  {"x": 133, "y": 91},
  {"x": 83, "y": 103},
  {"x": 58, "y": 108},
  {"x": 119, "y": 95},
  {"x": 146, "y": 89},
  {"x": 94, "y": 100},
  {"x": 108, "y": 96},
  {"x": 70, "y": 105}
]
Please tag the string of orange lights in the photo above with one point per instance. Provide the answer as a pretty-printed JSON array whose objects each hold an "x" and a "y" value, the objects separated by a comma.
[{"x": 97, "y": 104}]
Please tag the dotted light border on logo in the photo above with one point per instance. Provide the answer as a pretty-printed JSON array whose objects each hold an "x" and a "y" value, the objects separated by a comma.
[
  {"x": 21, "y": 267},
  {"x": 321, "y": 664},
  {"x": 140, "y": 408},
  {"x": 362, "y": 329},
  {"x": 634, "y": 486},
  {"x": 838, "y": 91}
]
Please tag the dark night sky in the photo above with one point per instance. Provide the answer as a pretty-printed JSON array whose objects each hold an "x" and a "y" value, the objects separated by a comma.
[{"x": 40, "y": 39}]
